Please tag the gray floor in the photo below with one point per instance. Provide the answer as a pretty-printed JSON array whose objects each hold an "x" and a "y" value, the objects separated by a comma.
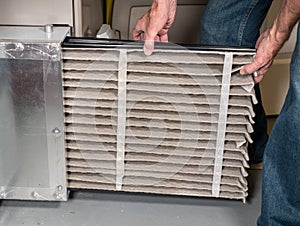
[{"x": 114, "y": 209}]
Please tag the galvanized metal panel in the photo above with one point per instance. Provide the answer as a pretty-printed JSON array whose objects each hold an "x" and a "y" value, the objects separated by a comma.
[{"x": 32, "y": 162}]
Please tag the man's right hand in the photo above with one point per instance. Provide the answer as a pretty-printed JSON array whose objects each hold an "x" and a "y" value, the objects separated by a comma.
[{"x": 155, "y": 24}]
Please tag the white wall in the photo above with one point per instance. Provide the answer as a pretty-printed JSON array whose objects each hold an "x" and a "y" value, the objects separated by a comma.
[
  {"x": 36, "y": 12},
  {"x": 85, "y": 16}
]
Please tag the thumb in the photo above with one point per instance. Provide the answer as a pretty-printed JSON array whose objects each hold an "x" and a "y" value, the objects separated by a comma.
[
  {"x": 148, "y": 47},
  {"x": 150, "y": 34}
]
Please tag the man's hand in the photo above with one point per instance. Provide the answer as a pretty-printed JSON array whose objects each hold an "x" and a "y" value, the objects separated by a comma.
[
  {"x": 155, "y": 24},
  {"x": 271, "y": 41},
  {"x": 267, "y": 48}
]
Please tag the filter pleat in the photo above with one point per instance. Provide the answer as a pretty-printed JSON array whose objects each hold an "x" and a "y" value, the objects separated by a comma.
[{"x": 169, "y": 105}]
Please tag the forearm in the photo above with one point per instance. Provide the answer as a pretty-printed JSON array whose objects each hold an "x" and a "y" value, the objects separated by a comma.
[{"x": 286, "y": 19}]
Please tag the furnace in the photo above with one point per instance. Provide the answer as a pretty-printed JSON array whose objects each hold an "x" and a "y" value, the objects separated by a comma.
[{"x": 99, "y": 114}]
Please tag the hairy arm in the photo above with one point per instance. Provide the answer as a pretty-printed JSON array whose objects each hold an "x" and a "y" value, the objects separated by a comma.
[
  {"x": 155, "y": 24},
  {"x": 271, "y": 41}
]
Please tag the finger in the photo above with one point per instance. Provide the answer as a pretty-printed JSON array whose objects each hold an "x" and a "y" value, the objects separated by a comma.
[
  {"x": 149, "y": 42},
  {"x": 148, "y": 47},
  {"x": 262, "y": 72},
  {"x": 150, "y": 39},
  {"x": 140, "y": 27},
  {"x": 265, "y": 69},
  {"x": 155, "y": 24},
  {"x": 250, "y": 68},
  {"x": 164, "y": 38},
  {"x": 137, "y": 34},
  {"x": 258, "y": 78}
]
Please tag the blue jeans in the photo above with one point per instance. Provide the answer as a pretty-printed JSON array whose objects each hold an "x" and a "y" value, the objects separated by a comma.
[
  {"x": 237, "y": 23},
  {"x": 281, "y": 171}
]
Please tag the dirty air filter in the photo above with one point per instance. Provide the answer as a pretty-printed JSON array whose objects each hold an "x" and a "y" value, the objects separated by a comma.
[{"x": 176, "y": 122}]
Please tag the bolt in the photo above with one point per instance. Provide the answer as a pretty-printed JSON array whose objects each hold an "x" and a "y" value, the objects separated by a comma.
[{"x": 48, "y": 28}]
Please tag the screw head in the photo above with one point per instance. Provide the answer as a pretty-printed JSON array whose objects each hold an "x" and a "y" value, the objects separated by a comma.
[
  {"x": 56, "y": 131},
  {"x": 60, "y": 188}
]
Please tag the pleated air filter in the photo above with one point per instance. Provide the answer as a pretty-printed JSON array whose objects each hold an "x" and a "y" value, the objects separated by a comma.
[{"x": 176, "y": 122}]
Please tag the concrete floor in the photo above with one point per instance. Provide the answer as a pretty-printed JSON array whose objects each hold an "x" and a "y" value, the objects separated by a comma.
[{"x": 121, "y": 209}]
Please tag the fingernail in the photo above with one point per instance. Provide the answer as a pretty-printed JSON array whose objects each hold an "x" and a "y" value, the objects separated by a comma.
[{"x": 148, "y": 47}]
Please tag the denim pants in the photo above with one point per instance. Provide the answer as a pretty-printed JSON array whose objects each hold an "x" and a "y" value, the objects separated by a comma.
[
  {"x": 281, "y": 164},
  {"x": 237, "y": 23}
]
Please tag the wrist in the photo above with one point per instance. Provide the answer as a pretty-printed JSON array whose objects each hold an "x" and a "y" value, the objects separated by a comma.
[{"x": 280, "y": 33}]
